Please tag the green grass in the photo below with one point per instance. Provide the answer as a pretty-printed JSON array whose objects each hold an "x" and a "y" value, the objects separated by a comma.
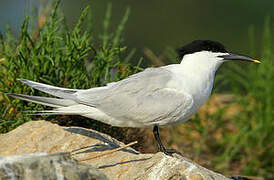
[
  {"x": 247, "y": 148},
  {"x": 254, "y": 85},
  {"x": 52, "y": 53}
]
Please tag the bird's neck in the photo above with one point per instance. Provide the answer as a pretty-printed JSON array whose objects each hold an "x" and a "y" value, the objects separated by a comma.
[
  {"x": 200, "y": 78},
  {"x": 200, "y": 65}
]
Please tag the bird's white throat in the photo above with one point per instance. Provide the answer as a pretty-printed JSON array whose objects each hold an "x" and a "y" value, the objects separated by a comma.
[
  {"x": 202, "y": 62},
  {"x": 198, "y": 71}
]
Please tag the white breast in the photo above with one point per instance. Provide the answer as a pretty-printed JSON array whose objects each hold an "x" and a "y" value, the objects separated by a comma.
[{"x": 194, "y": 78}]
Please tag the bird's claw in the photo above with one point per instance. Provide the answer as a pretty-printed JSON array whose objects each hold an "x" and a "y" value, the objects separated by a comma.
[{"x": 170, "y": 152}]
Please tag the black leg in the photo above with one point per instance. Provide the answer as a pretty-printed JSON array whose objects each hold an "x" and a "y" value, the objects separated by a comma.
[
  {"x": 160, "y": 145},
  {"x": 157, "y": 137},
  {"x": 239, "y": 178}
]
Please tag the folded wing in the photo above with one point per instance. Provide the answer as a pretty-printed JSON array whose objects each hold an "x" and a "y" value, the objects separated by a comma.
[{"x": 141, "y": 100}]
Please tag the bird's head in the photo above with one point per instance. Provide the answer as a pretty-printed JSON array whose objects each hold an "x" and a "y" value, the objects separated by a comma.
[{"x": 209, "y": 53}]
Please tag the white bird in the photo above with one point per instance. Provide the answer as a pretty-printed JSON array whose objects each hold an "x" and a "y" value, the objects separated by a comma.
[{"x": 160, "y": 96}]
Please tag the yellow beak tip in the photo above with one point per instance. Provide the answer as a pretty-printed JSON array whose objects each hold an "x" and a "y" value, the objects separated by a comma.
[{"x": 257, "y": 61}]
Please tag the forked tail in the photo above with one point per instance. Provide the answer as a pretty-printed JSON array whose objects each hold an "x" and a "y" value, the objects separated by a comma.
[{"x": 62, "y": 105}]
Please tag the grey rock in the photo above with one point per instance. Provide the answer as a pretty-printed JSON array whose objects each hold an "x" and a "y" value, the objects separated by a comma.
[
  {"x": 45, "y": 166},
  {"x": 43, "y": 136}
]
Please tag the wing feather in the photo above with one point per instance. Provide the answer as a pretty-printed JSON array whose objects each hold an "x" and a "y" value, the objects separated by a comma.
[
  {"x": 53, "y": 90},
  {"x": 143, "y": 99}
]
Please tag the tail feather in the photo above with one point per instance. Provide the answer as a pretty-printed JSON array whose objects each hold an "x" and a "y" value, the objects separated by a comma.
[
  {"x": 53, "y": 90},
  {"x": 77, "y": 109},
  {"x": 67, "y": 103},
  {"x": 52, "y": 102},
  {"x": 49, "y": 112}
]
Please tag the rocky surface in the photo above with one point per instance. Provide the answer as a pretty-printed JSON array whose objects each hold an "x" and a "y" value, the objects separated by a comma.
[
  {"x": 45, "y": 137},
  {"x": 44, "y": 166}
]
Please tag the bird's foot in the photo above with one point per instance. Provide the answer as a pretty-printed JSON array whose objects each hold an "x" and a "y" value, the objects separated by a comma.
[
  {"x": 239, "y": 178},
  {"x": 161, "y": 148},
  {"x": 170, "y": 152}
]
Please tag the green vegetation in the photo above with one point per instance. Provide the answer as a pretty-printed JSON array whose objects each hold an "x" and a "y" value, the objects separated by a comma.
[
  {"x": 50, "y": 52},
  {"x": 241, "y": 143},
  {"x": 255, "y": 121}
]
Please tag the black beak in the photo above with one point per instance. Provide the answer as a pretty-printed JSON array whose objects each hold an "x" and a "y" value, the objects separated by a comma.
[{"x": 234, "y": 56}]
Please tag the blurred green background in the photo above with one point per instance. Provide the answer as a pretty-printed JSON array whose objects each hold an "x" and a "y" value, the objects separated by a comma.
[
  {"x": 71, "y": 47},
  {"x": 157, "y": 24}
]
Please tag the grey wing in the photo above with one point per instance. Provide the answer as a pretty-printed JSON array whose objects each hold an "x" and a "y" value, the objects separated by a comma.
[
  {"x": 148, "y": 80},
  {"x": 161, "y": 107},
  {"x": 140, "y": 100}
]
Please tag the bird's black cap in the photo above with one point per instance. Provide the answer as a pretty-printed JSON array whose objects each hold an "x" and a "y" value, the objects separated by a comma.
[{"x": 200, "y": 45}]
